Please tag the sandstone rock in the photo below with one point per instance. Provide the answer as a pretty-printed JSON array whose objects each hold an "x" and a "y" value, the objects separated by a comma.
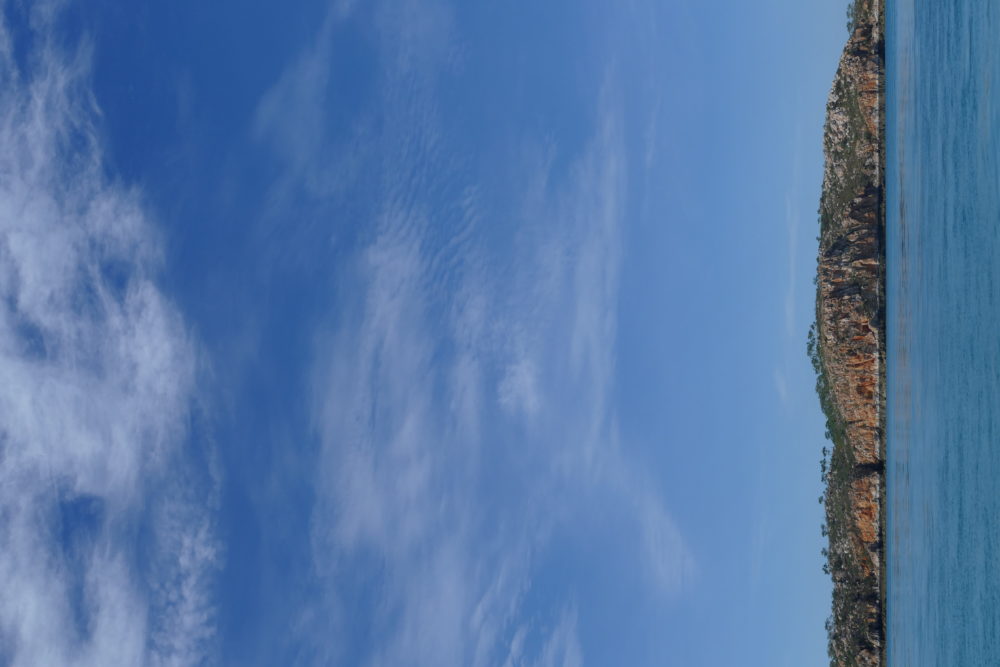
[{"x": 850, "y": 337}]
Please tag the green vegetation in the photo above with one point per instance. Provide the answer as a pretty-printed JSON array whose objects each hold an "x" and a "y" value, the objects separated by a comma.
[
  {"x": 856, "y": 586},
  {"x": 849, "y": 310},
  {"x": 844, "y": 149}
]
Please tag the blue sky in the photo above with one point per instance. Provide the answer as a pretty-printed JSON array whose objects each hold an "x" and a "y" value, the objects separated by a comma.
[{"x": 413, "y": 332}]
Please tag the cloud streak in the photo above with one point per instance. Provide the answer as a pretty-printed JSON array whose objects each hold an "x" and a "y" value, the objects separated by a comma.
[
  {"x": 463, "y": 397},
  {"x": 99, "y": 376}
]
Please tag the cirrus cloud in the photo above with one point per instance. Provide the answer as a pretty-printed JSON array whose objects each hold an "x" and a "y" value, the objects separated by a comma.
[{"x": 105, "y": 555}]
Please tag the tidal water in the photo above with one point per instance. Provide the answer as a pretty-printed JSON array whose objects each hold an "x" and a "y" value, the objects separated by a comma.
[{"x": 943, "y": 332}]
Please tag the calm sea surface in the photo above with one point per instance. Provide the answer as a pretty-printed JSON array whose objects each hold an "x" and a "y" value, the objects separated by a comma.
[{"x": 943, "y": 253}]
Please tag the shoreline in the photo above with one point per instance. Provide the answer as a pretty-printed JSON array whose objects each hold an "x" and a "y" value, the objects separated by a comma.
[{"x": 847, "y": 342}]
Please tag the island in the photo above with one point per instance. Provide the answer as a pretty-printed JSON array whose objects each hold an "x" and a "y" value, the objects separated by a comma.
[{"x": 847, "y": 341}]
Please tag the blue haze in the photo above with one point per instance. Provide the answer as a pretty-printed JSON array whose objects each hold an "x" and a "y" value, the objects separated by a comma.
[
  {"x": 943, "y": 233},
  {"x": 434, "y": 333}
]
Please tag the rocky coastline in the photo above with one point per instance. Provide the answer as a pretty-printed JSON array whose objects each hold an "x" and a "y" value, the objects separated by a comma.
[{"x": 847, "y": 341}]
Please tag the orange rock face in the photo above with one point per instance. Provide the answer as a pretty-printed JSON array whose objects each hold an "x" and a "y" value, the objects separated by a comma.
[{"x": 850, "y": 337}]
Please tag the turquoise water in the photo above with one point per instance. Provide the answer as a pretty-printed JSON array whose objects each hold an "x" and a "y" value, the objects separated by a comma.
[{"x": 943, "y": 253}]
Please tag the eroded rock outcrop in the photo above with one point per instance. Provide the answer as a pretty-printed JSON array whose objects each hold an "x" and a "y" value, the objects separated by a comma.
[{"x": 848, "y": 340}]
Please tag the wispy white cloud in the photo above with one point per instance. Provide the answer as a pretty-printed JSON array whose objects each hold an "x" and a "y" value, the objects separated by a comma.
[
  {"x": 464, "y": 400},
  {"x": 792, "y": 223},
  {"x": 98, "y": 378},
  {"x": 289, "y": 118},
  {"x": 562, "y": 648},
  {"x": 518, "y": 390},
  {"x": 781, "y": 385}
]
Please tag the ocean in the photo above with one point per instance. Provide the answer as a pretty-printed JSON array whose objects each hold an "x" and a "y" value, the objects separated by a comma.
[{"x": 943, "y": 332}]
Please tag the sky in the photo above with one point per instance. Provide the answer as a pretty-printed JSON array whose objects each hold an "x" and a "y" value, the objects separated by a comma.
[{"x": 411, "y": 332}]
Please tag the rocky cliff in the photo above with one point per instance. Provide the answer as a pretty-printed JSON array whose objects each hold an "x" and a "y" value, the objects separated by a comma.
[{"x": 847, "y": 342}]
